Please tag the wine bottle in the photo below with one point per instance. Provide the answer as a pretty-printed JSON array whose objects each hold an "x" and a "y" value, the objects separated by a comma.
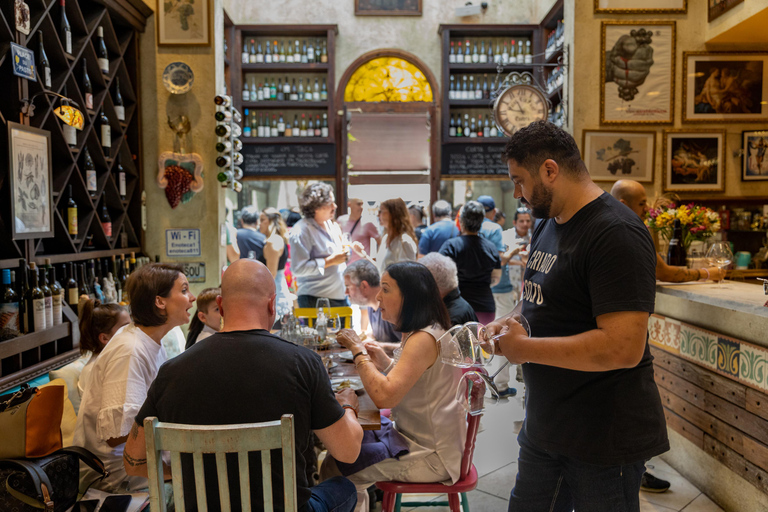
[
  {"x": 324, "y": 91},
  {"x": 676, "y": 250},
  {"x": 101, "y": 51},
  {"x": 104, "y": 218},
  {"x": 71, "y": 286},
  {"x": 244, "y": 57},
  {"x": 35, "y": 303},
  {"x": 106, "y": 133},
  {"x": 281, "y": 126},
  {"x": 223, "y": 100},
  {"x": 97, "y": 279},
  {"x": 69, "y": 132},
  {"x": 226, "y": 146},
  {"x": 118, "y": 101},
  {"x": 132, "y": 265},
  {"x": 257, "y": 56},
  {"x": 82, "y": 284},
  {"x": 120, "y": 172},
  {"x": 65, "y": 29},
  {"x": 91, "y": 183},
  {"x": 48, "y": 294},
  {"x": 9, "y": 305},
  {"x": 22, "y": 288},
  {"x": 57, "y": 293},
  {"x": 324, "y": 54},
  {"x": 87, "y": 87},
  {"x": 43, "y": 64},
  {"x": 324, "y": 128}
]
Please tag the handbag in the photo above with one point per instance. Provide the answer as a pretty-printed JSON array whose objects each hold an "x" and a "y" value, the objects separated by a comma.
[
  {"x": 49, "y": 483},
  {"x": 30, "y": 421}
]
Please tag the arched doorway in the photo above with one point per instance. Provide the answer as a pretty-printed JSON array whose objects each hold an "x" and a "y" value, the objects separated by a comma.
[{"x": 389, "y": 130}]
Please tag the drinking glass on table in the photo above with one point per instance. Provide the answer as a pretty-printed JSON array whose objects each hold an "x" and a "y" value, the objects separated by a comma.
[
  {"x": 720, "y": 255},
  {"x": 323, "y": 304}
]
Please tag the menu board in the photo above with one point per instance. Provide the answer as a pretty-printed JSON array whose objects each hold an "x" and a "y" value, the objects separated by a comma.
[
  {"x": 483, "y": 159},
  {"x": 264, "y": 160}
]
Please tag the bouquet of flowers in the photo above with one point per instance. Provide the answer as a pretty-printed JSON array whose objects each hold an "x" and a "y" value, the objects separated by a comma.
[{"x": 698, "y": 222}]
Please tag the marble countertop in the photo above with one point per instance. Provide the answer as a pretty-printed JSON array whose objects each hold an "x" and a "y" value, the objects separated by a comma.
[{"x": 733, "y": 295}]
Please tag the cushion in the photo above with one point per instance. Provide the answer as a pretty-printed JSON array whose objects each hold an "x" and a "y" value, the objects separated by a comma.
[
  {"x": 69, "y": 417},
  {"x": 71, "y": 376}
]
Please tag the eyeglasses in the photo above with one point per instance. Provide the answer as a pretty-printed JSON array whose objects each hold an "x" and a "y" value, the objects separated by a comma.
[{"x": 523, "y": 209}]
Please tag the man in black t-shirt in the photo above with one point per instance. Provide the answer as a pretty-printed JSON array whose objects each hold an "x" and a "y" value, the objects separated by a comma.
[
  {"x": 593, "y": 412},
  {"x": 244, "y": 374}
]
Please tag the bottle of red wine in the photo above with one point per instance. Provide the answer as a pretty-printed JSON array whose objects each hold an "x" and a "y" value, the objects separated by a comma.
[
  {"x": 22, "y": 288},
  {"x": 82, "y": 285},
  {"x": 70, "y": 133},
  {"x": 120, "y": 177},
  {"x": 48, "y": 293},
  {"x": 35, "y": 303},
  {"x": 9, "y": 305},
  {"x": 73, "y": 296},
  {"x": 43, "y": 64},
  {"x": 101, "y": 51},
  {"x": 104, "y": 218},
  {"x": 106, "y": 134},
  {"x": 90, "y": 173},
  {"x": 71, "y": 215},
  {"x": 87, "y": 87},
  {"x": 57, "y": 291},
  {"x": 65, "y": 29},
  {"x": 118, "y": 101},
  {"x": 676, "y": 250}
]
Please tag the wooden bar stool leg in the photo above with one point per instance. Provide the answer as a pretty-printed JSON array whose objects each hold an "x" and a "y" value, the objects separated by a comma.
[
  {"x": 464, "y": 502},
  {"x": 454, "y": 502}
]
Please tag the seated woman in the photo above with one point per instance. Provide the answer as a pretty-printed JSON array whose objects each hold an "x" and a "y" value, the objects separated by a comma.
[
  {"x": 160, "y": 300},
  {"x": 416, "y": 385},
  {"x": 98, "y": 324}
]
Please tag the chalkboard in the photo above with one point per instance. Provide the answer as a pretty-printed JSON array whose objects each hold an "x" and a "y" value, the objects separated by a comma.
[
  {"x": 266, "y": 160},
  {"x": 483, "y": 159}
]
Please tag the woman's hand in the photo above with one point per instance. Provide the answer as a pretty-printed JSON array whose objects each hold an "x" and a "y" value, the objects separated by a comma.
[
  {"x": 349, "y": 340},
  {"x": 380, "y": 358}
]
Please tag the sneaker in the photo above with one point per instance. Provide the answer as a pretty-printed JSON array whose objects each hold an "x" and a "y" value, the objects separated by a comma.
[
  {"x": 650, "y": 483},
  {"x": 508, "y": 393}
]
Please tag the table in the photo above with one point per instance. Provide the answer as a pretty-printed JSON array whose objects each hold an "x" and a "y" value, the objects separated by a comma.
[{"x": 369, "y": 415}]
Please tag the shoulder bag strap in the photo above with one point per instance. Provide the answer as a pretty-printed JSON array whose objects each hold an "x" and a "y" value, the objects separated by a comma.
[
  {"x": 41, "y": 484},
  {"x": 90, "y": 460}
]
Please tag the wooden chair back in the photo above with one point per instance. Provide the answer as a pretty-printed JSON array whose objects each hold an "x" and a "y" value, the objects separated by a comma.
[
  {"x": 220, "y": 440},
  {"x": 344, "y": 312}
]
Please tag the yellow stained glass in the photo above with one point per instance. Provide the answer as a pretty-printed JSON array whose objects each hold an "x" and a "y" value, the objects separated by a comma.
[{"x": 388, "y": 79}]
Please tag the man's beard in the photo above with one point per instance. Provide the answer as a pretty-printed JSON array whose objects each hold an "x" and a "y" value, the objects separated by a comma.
[{"x": 541, "y": 201}]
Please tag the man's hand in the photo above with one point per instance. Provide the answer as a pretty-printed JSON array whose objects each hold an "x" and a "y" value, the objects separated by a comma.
[
  {"x": 505, "y": 343},
  {"x": 348, "y": 397},
  {"x": 629, "y": 62}
]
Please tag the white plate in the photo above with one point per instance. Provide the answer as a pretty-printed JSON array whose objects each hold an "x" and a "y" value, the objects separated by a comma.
[
  {"x": 178, "y": 78},
  {"x": 354, "y": 383},
  {"x": 347, "y": 354}
]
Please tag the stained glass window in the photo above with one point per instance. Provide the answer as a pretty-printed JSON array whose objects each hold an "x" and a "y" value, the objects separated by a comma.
[{"x": 388, "y": 79}]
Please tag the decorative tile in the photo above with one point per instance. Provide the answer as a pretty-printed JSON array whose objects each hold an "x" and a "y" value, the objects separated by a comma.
[
  {"x": 673, "y": 335},
  {"x": 753, "y": 365},
  {"x": 699, "y": 346},
  {"x": 656, "y": 329},
  {"x": 728, "y": 356}
]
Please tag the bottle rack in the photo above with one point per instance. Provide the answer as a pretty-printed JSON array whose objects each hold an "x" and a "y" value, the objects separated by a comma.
[{"x": 230, "y": 176}]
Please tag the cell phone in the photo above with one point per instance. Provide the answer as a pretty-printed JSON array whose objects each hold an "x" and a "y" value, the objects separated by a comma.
[
  {"x": 116, "y": 503},
  {"x": 85, "y": 506}
]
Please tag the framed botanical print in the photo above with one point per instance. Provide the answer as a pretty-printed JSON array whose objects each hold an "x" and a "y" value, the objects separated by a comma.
[
  {"x": 617, "y": 155},
  {"x": 184, "y": 22},
  {"x": 725, "y": 87},
  {"x": 29, "y": 152},
  {"x": 641, "y": 6},
  {"x": 717, "y": 8},
  {"x": 694, "y": 160},
  {"x": 754, "y": 164},
  {"x": 388, "y": 7},
  {"x": 637, "y": 72}
]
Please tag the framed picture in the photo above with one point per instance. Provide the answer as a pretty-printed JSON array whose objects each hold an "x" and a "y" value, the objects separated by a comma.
[
  {"x": 615, "y": 155},
  {"x": 725, "y": 87},
  {"x": 641, "y": 6},
  {"x": 719, "y": 7},
  {"x": 184, "y": 22},
  {"x": 388, "y": 7},
  {"x": 754, "y": 165},
  {"x": 29, "y": 152},
  {"x": 694, "y": 160},
  {"x": 637, "y": 72}
]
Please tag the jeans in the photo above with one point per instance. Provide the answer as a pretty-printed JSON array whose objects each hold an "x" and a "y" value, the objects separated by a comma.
[
  {"x": 336, "y": 494},
  {"x": 555, "y": 483},
  {"x": 310, "y": 301}
]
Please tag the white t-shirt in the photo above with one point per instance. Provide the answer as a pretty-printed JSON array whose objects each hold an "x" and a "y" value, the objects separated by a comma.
[
  {"x": 207, "y": 331},
  {"x": 85, "y": 374},
  {"x": 113, "y": 394}
]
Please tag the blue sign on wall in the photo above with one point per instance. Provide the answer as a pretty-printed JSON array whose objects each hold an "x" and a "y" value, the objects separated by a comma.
[
  {"x": 23, "y": 62},
  {"x": 182, "y": 243}
]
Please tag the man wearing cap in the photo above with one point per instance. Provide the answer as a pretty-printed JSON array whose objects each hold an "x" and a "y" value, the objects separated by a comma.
[{"x": 490, "y": 230}]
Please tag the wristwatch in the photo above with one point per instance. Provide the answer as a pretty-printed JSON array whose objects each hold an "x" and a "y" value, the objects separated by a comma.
[{"x": 361, "y": 353}]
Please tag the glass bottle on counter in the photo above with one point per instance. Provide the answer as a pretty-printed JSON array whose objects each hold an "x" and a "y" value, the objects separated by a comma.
[
  {"x": 324, "y": 91},
  {"x": 22, "y": 288},
  {"x": 35, "y": 303},
  {"x": 82, "y": 284},
  {"x": 676, "y": 249},
  {"x": 324, "y": 54}
]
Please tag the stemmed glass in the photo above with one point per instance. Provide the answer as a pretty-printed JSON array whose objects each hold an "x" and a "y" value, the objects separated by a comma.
[
  {"x": 323, "y": 304},
  {"x": 720, "y": 255}
]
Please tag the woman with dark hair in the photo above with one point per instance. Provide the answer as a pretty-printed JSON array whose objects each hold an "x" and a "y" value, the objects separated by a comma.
[
  {"x": 477, "y": 260},
  {"x": 160, "y": 300},
  {"x": 272, "y": 226},
  {"x": 98, "y": 324},
  {"x": 399, "y": 243},
  {"x": 416, "y": 385},
  {"x": 318, "y": 257}
]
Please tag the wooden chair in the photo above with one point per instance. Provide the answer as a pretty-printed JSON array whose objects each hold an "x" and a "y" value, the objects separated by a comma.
[
  {"x": 220, "y": 440},
  {"x": 344, "y": 312}
]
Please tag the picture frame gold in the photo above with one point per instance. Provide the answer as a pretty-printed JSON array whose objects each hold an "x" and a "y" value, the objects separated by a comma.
[
  {"x": 650, "y": 99},
  {"x": 722, "y": 6},
  {"x": 684, "y": 153},
  {"x": 707, "y": 98},
  {"x": 599, "y": 163},
  {"x": 377, "y": 8},
  {"x": 754, "y": 165},
  {"x": 641, "y": 9},
  {"x": 176, "y": 18}
]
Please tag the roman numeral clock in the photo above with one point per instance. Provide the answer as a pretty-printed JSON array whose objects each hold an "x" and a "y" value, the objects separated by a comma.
[{"x": 519, "y": 102}]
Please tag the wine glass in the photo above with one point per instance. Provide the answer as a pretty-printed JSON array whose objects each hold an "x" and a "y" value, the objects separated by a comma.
[
  {"x": 323, "y": 304},
  {"x": 720, "y": 255},
  {"x": 333, "y": 323}
]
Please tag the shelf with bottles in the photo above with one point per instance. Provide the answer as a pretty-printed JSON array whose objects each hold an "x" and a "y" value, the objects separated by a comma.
[
  {"x": 555, "y": 39},
  {"x": 470, "y": 124},
  {"x": 263, "y": 88},
  {"x": 463, "y": 88},
  {"x": 282, "y": 50},
  {"x": 274, "y": 125},
  {"x": 490, "y": 51}
]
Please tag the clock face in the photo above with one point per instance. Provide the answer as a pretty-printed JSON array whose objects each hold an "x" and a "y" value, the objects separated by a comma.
[{"x": 519, "y": 106}]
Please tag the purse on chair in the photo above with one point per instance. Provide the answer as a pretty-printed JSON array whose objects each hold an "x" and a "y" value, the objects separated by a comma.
[{"x": 30, "y": 421}]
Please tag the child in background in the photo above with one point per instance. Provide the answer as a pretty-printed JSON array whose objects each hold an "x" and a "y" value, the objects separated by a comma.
[
  {"x": 207, "y": 319},
  {"x": 98, "y": 323}
]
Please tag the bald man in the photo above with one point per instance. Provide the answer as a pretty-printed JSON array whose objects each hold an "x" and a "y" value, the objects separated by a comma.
[
  {"x": 244, "y": 374},
  {"x": 632, "y": 194}
]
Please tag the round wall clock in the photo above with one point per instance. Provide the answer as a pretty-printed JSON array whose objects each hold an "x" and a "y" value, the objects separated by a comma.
[{"x": 519, "y": 106}]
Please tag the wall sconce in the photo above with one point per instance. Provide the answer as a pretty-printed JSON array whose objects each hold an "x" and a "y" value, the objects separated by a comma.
[{"x": 68, "y": 114}]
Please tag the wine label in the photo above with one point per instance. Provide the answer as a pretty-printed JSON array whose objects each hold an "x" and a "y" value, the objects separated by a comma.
[
  {"x": 49, "y": 311},
  {"x": 324, "y": 59},
  {"x": 48, "y": 77},
  {"x": 121, "y": 183},
  {"x": 273, "y": 132},
  {"x": 311, "y": 53},
  {"x": 280, "y": 127},
  {"x": 268, "y": 58},
  {"x": 120, "y": 112},
  {"x": 72, "y": 221},
  {"x": 452, "y": 131},
  {"x": 104, "y": 65},
  {"x": 246, "y": 95},
  {"x": 315, "y": 96},
  {"x": 107, "y": 226},
  {"x": 245, "y": 58},
  {"x": 289, "y": 58},
  {"x": 324, "y": 131},
  {"x": 38, "y": 314},
  {"x": 323, "y": 95},
  {"x": 483, "y": 59},
  {"x": 297, "y": 57},
  {"x": 74, "y": 297},
  {"x": 303, "y": 133},
  {"x": 451, "y": 58},
  {"x": 257, "y": 59},
  {"x": 9, "y": 316},
  {"x": 106, "y": 136},
  {"x": 70, "y": 134},
  {"x": 89, "y": 101},
  {"x": 68, "y": 42},
  {"x": 57, "y": 316},
  {"x": 247, "y": 131},
  {"x": 90, "y": 181}
]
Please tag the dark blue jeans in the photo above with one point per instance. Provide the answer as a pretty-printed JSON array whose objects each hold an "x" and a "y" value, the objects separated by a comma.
[
  {"x": 310, "y": 301},
  {"x": 548, "y": 482},
  {"x": 336, "y": 494}
]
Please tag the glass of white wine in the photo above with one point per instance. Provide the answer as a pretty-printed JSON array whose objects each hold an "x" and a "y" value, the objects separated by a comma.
[{"x": 720, "y": 255}]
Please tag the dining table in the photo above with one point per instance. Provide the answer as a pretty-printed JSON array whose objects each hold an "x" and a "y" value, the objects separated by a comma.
[{"x": 369, "y": 416}]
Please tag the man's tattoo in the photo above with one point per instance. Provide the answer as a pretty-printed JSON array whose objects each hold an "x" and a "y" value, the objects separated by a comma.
[
  {"x": 133, "y": 462},
  {"x": 135, "y": 430},
  {"x": 682, "y": 275}
]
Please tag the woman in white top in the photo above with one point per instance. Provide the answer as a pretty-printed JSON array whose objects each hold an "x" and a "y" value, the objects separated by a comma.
[
  {"x": 160, "y": 300},
  {"x": 399, "y": 242},
  {"x": 416, "y": 385},
  {"x": 272, "y": 225}
]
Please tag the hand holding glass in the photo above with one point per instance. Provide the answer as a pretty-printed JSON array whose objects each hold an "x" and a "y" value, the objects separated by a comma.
[{"x": 720, "y": 255}]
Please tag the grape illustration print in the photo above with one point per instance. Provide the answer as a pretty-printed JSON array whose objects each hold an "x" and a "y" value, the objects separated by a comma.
[{"x": 184, "y": 22}]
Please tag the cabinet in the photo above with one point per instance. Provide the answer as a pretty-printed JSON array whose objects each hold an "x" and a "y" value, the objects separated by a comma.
[{"x": 554, "y": 69}]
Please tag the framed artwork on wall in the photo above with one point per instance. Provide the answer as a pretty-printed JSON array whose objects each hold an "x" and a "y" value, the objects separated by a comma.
[
  {"x": 641, "y": 6},
  {"x": 29, "y": 152},
  {"x": 184, "y": 22},
  {"x": 637, "y": 72},
  {"x": 717, "y": 8},
  {"x": 616, "y": 155},
  {"x": 388, "y": 7},
  {"x": 725, "y": 87},
  {"x": 694, "y": 160},
  {"x": 754, "y": 164}
]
